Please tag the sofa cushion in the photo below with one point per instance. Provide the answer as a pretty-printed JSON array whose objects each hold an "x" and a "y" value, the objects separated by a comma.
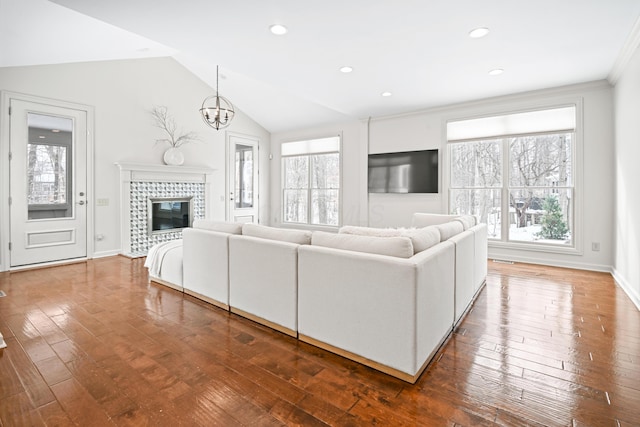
[
  {"x": 424, "y": 238},
  {"x": 375, "y": 232},
  {"x": 467, "y": 221},
  {"x": 300, "y": 237},
  {"x": 449, "y": 229},
  {"x": 421, "y": 238},
  {"x": 400, "y": 247},
  {"x": 425, "y": 219},
  {"x": 221, "y": 226}
]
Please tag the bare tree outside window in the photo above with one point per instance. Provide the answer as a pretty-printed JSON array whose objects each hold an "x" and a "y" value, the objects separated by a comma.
[
  {"x": 311, "y": 184},
  {"x": 539, "y": 168}
]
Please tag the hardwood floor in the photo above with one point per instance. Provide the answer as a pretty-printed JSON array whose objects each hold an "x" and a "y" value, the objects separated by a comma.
[{"x": 94, "y": 344}]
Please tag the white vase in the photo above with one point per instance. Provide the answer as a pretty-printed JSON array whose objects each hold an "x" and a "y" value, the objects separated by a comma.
[{"x": 173, "y": 156}]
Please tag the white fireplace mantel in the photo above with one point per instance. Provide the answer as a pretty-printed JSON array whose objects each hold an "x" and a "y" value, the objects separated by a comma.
[
  {"x": 151, "y": 172},
  {"x": 155, "y": 175}
]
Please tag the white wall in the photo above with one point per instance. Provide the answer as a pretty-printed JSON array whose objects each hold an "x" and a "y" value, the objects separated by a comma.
[
  {"x": 122, "y": 93},
  {"x": 626, "y": 263},
  {"x": 426, "y": 130}
]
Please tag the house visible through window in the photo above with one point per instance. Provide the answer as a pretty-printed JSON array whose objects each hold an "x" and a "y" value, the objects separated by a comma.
[
  {"x": 516, "y": 174},
  {"x": 311, "y": 182}
]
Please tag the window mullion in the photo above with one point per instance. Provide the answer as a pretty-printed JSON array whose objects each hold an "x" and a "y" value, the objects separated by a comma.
[
  {"x": 506, "y": 191},
  {"x": 309, "y": 185}
]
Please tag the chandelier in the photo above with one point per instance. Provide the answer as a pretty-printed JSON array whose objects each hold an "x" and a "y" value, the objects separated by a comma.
[{"x": 217, "y": 111}]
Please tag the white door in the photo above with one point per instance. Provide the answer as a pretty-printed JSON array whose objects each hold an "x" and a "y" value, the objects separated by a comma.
[
  {"x": 243, "y": 178},
  {"x": 48, "y": 183}
]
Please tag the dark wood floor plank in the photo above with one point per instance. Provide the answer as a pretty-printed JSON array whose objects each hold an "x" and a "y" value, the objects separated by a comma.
[{"x": 95, "y": 344}]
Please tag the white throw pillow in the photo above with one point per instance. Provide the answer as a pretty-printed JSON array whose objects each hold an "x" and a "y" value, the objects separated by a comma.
[
  {"x": 400, "y": 247},
  {"x": 449, "y": 229},
  {"x": 221, "y": 226},
  {"x": 300, "y": 237}
]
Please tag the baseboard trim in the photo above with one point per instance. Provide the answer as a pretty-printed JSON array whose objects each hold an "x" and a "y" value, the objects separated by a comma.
[
  {"x": 105, "y": 254},
  {"x": 551, "y": 263},
  {"x": 626, "y": 287}
]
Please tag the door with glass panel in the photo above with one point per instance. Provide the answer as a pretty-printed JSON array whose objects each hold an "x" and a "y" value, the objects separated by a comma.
[
  {"x": 243, "y": 179},
  {"x": 48, "y": 179}
]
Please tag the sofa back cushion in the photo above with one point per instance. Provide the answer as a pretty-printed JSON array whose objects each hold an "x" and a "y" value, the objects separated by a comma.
[
  {"x": 399, "y": 246},
  {"x": 425, "y": 219},
  {"x": 421, "y": 238},
  {"x": 300, "y": 237},
  {"x": 220, "y": 226},
  {"x": 424, "y": 238},
  {"x": 449, "y": 229},
  {"x": 467, "y": 221}
]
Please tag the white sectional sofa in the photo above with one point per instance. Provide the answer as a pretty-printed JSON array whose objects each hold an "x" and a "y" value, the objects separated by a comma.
[{"x": 387, "y": 298}]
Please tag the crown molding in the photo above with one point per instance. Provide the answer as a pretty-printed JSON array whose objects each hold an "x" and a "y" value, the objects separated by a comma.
[{"x": 629, "y": 48}]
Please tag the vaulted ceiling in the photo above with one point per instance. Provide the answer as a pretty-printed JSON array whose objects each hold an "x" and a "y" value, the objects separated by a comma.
[{"x": 418, "y": 50}]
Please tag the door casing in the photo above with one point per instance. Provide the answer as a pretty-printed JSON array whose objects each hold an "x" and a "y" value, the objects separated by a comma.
[{"x": 5, "y": 231}]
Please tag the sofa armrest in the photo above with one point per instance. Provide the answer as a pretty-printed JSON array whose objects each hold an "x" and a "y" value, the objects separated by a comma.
[{"x": 206, "y": 265}]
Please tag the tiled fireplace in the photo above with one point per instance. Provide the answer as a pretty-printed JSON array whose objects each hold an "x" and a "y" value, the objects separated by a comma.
[{"x": 141, "y": 185}]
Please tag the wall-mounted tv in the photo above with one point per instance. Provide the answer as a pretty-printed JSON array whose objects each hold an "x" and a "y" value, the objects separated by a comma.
[{"x": 404, "y": 172}]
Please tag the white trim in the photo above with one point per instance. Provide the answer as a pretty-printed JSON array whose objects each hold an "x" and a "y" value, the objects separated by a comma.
[
  {"x": 626, "y": 287},
  {"x": 552, "y": 262},
  {"x": 626, "y": 53},
  {"x": 105, "y": 254}
]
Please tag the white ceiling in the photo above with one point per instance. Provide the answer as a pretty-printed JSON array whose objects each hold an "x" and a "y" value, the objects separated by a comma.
[{"x": 417, "y": 49}]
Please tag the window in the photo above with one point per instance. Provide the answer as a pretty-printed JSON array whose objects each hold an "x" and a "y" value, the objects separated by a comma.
[
  {"x": 518, "y": 180},
  {"x": 311, "y": 182}
]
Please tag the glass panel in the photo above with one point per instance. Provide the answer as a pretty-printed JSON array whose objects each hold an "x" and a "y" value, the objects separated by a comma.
[
  {"x": 49, "y": 186},
  {"x": 476, "y": 164},
  {"x": 295, "y": 206},
  {"x": 484, "y": 204},
  {"x": 541, "y": 215},
  {"x": 244, "y": 176},
  {"x": 540, "y": 161},
  {"x": 296, "y": 172},
  {"x": 324, "y": 207},
  {"x": 326, "y": 171}
]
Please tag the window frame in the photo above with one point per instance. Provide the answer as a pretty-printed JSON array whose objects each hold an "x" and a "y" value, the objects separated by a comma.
[
  {"x": 577, "y": 175},
  {"x": 309, "y": 189}
]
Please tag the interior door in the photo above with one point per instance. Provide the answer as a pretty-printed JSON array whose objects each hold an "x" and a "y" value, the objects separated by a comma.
[
  {"x": 243, "y": 179},
  {"x": 48, "y": 183}
]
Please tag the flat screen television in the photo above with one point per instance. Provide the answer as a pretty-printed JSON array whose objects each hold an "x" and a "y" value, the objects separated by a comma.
[{"x": 404, "y": 172}]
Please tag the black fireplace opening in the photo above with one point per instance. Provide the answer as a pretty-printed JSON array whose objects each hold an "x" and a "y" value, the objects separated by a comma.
[{"x": 169, "y": 214}]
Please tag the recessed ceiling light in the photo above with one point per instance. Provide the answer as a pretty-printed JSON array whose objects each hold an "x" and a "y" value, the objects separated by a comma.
[
  {"x": 55, "y": 130},
  {"x": 496, "y": 72},
  {"x": 41, "y": 136},
  {"x": 346, "y": 69},
  {"x": 385, "y": 94},
  {"x": 477, "y": 33},
  {"x": 278, "y": 29}
]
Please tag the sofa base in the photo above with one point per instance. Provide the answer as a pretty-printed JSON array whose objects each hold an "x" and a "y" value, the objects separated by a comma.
[
  {"x": 207, "y": 299},
  {"x": 372, "y": 364},
  {"x": 470, "y": 306},
  {"x": 165, "y": 283},
  {"x": 265, "y": 322}
]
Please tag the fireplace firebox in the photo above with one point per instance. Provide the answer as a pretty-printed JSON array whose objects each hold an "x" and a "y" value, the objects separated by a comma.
[{"x": 169, "y": 214}]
